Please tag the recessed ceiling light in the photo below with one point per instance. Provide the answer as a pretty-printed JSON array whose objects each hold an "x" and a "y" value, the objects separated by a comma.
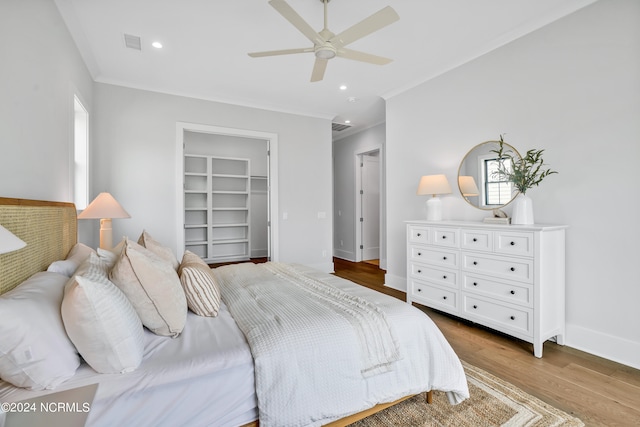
[
  {"x": 157, "y": 45},
  {"x": 343, "y": 87},
  {"x": 347, "y": 121}
]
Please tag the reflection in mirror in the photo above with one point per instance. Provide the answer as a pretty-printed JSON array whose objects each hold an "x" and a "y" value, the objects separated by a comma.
[{"x": 478, "y": 181}]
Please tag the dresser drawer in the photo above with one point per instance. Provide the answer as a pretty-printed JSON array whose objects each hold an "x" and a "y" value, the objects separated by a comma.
[
  {"x": 434, "y": 296},
  {"x": 499, "y": 266},
  {"x": 514, "y": 243},
  {"x": 417, "y": 234},
  {"x": 514, "y": 292},
  {"x": 477, "y": 240},
  {"x": 502, "y": 317},
  {"x": 434, "y": 256},
  {"x": 441, "y": 276},
  {"x": 446, "y": 237}
]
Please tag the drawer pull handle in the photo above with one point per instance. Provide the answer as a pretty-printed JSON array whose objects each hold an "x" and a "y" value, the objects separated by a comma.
[
  {"x": 444, "y": 237},
  {"x": 444, "y": 258},
  {"x": 475, "y": 283},
  {"x": 512, "y": 317},
  {"x": 513, "y": 292},
  {"x": 419, "y": 290},
  {"x": 444, "y": 297},
  {"x": 475, "y": 306},
  {"x": 512, "y": 269},
  {"x": 419, "y": 271},
  {"x": 418, "y": 234},
  {"x": 475, "y": 240},
  {"x": 444, "y": 277},
  {"x": 419, "y": 253},
  {"x": 513, "y": 243},
  {"x": 475, "y": 262}
]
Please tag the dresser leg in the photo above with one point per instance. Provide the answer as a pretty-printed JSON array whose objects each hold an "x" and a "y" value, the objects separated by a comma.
[
  {"x": 537, "y": 349},
  {"x": 560, "y": 339}
]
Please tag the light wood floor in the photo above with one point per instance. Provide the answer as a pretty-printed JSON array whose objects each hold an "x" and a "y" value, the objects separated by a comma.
[{"x": 596, "y": 390}]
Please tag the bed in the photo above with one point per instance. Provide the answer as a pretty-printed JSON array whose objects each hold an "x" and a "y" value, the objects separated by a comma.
[{"x": 357, "y": 351}]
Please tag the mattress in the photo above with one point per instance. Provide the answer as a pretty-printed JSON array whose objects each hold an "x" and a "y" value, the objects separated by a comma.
[{"x": 202, "y": 378}]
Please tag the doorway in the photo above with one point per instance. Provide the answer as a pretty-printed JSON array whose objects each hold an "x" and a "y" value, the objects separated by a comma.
[
  {"x": 220, "y": 223},
  {"x": 368, "y": 206}
]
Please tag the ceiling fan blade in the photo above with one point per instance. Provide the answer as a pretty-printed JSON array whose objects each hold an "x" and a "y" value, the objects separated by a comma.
[
  {"x": 318, "y": 69},
  {"x": 296, "y": 20},
  {"x": 373, "y": 23},
  {"x": 363, "y": 57},
  {"x": 280, "y": 52}
]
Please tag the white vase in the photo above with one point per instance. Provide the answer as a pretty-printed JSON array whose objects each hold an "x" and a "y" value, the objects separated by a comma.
[{"x": 522, "y": 210}]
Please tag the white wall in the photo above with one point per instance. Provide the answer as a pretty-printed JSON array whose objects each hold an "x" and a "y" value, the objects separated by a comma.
[
  {"x": 134, "y": 159},
  {"x": 572, "y": 88},
  {"x": 40, "y": 72},
  {"x": 344, "y": 191}
]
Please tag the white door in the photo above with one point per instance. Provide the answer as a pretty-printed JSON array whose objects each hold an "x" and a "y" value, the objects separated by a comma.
[{"x": 370, "y": 196}]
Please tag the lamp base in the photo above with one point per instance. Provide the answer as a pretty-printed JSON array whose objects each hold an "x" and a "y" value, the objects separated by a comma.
[
  {"x": 106, "y": 235},
  {"x": 434, "y": 209}
]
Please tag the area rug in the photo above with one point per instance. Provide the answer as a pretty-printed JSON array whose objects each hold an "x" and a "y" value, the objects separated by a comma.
[{"x": 493, "y": 402}]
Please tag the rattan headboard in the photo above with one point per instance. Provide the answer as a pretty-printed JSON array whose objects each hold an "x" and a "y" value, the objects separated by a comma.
[{"x": 48, "y": 228}]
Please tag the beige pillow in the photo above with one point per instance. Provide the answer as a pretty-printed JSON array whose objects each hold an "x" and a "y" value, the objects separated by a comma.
[
  {"x": 200, "y": 288},
  {"x": 154, "y": 246},
  {"x": 153, "y": 287}
]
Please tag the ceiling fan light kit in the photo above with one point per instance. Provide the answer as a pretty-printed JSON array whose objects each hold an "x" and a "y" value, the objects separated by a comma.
[{"x": 327, "y": 45}]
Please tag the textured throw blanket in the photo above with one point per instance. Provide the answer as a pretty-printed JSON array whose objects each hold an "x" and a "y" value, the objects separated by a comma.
[{"x": 312, "y": 343}]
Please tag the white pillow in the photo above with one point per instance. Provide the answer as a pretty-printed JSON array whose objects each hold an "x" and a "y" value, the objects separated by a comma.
[
  {"x": 35, "y": 351},
  {"x": 70, "y": 264},
  {"x": 153, "y": 287},
  {"x": 154, "y": 246},
  {"x": 101, "y": 321},
  {"x": 200, "y": 288},
  {"x": 110, "y": 256}
]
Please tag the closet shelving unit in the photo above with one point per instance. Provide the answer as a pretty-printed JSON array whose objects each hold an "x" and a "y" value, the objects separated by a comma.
[{"x": 217, "y": 207}]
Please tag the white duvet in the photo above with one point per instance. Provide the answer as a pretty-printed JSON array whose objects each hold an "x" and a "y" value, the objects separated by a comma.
[{"x": 313, "y": 363}]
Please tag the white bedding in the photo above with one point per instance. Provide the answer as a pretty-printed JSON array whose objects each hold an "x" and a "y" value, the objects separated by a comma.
[
  {"x": 309, "y": 371},
  {"x": 205, "y": 377},
  {"x": 202, "y": 378}
]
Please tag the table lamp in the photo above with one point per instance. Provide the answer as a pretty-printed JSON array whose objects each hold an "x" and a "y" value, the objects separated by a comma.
[
  {"x": 434, "y": 185},
  {"x": 468, "y": 186},
  {"x": 9, "y": 242},
  {"x": 104, "y": 207}
]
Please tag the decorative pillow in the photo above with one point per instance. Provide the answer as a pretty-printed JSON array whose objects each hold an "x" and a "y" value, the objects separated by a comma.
[
  {"x": 101, "y": 322},
  {"x": 35, "y": 351},
  {"x": 70, "y": 264},
  {"x": 153, "y": 287},
  {"x": 110, "y": 256},
  {"x": 200, "y": 288},
  {"x": 154, "y": 246}
]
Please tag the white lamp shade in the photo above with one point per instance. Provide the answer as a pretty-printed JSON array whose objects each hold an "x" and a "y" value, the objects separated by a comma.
[
  {"x": 104, "y": 206},
  {"x": 9, "y": 242},
  {"x": 468, "y": 186},
  {"x": 434, "y": 184}
]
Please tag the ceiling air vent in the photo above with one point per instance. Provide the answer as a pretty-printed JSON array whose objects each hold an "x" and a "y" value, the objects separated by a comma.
[
  {"x": 132, "y": 42},
  {"x": 338, "y": 127}
]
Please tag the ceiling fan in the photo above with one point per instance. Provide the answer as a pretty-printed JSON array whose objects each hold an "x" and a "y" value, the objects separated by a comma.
[{"x": 327, "y": 45}]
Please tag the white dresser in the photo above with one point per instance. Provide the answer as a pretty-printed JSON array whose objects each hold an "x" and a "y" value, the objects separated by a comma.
[{"x": 510, "y": 278}]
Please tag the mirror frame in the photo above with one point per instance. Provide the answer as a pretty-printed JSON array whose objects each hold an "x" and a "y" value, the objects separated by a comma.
[{"x": 507, "y": 147}]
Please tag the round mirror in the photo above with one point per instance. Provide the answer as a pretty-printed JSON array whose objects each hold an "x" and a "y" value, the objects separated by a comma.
[{"x": 478, "y": 181}]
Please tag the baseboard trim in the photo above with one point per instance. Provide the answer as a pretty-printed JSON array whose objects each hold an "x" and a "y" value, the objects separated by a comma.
[
  {"x": 395, "y": 282},
  {"x": 345, "y": 255},
  {"x": 610, "y": 347}
]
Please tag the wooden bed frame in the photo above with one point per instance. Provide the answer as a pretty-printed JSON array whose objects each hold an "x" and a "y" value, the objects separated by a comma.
[{"x": 50, "y": 230}]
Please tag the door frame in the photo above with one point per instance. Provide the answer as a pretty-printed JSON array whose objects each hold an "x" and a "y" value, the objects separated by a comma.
[
  {"x": 272, "y": 185},
  {"x": 358, "y": 199}
]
